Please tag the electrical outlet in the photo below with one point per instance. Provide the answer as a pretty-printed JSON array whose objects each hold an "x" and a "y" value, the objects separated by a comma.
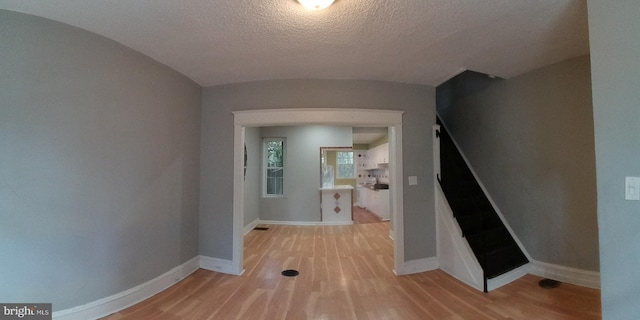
[{"x": 632, "y": 188}]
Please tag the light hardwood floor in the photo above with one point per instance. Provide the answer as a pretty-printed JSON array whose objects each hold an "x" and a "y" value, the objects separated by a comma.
[
  {"x": 361, "y": 215},
  {"x": 345, "y": 273}
]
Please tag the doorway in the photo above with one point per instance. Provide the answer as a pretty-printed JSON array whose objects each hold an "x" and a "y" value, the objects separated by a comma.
[{"x": 348, "y": 117}]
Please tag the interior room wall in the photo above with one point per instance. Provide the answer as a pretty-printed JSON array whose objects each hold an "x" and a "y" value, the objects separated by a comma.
[
  {"x": 417, "y": 102},
  {"x": 530, "y": 140},
  {"x": 301, "y": 200},
  {"x": 615, "y": 70},
  {"x": 99, "y": 165},
  {"x": 252, "y": 180}
]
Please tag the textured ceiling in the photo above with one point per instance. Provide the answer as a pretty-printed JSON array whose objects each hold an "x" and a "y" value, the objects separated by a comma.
[{"x": 412, "y": 41}]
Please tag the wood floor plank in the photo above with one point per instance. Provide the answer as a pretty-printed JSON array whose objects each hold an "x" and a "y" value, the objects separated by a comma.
[{"x": 346, "y": 273}]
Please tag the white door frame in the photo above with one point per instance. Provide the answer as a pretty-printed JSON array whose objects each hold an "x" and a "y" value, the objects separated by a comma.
[{"x": 327, "y": 116}]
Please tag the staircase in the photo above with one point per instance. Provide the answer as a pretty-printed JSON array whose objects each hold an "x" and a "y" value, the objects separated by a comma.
[{"x": 493, "y": 246}]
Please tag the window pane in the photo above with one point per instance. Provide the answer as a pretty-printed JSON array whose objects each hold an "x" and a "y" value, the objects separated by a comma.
[
  {"x": 345, "y": 157},
  {"x": 345, "y": 165},
  {"x": 274, "y": 153},
  {"x": 275, "y": 181},
  {"x": 345, "y": 171},
  {"x": 273, "y": 166}
]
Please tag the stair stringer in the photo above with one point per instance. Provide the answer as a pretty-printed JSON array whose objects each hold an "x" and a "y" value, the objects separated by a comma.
[
  {"x": 456, "y": 257},
  {"x": 454, "y": 253},
  {"x": 486, "y": 193}
]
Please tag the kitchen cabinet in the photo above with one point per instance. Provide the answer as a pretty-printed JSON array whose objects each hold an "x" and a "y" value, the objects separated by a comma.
[
  {"x": 362, "y": 196},
  {"x": 377, "y": 155},
  {"x": 377, "y": 201},
  {"x": 383, "y": 205},
  {"x": 383, "y": 156}
]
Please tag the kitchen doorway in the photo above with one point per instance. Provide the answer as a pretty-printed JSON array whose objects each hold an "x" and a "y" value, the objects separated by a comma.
[{"x": 392, "y": 119}]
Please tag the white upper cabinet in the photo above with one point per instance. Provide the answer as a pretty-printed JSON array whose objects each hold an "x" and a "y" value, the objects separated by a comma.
[
  {"x": 377, "y": 155},
  {"x": 384, "y": 153}
]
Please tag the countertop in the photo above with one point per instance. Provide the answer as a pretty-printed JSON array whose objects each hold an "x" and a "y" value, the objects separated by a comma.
[
  {"x": 338, "y": 187},
  {"x": 375, "y": 187}
]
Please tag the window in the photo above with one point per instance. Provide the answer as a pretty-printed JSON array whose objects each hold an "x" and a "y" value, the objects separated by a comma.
[
  {"x": 345, "y": 165},
  {"x": 273, "y": 166}
]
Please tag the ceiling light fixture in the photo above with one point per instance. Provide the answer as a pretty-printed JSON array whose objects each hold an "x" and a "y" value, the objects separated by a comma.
[{"x": 315, "y": 4}]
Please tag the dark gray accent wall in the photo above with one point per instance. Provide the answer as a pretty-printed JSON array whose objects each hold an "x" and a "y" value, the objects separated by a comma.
[
  {"x": 615, "y": 69},
  {"x": 418, "y": 102},
  {"x": 530, "y": 140},
  {"x": 99, "y": 165},
  {"x": 301, "y": 199}
]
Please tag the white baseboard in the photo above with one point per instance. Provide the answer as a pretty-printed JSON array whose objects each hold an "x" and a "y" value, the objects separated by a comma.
[
  {"x": 251, "y": 225},
  {"x": 584, "y": 278},
  {"x": 219, "y": 265},
  {"x": 307, "y": 223},
  {"x": 417, "y": 266},
  {"x": 106, "y": 306}
]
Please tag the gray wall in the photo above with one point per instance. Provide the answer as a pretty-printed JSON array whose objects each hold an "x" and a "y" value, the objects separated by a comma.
[
  {"x": 99, "y": 163},
  {"x": 252, "y": 180},
  {"x": 530, "y": 140},
  {"x": 301, "y": 201},
  {"x": 615, "y": 48},
  {"x": 418, "y": 102}
]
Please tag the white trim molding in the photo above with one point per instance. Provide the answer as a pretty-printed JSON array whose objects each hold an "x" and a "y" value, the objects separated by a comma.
[
  {"x": 106, "y": 306},
  {"x": 220, "y": 265},
  {"x": 372, "y": 117},
  {"x": 307, "y": 223},
  {"x": 456, "y": 257},
  {"x": 579, "y": 277},
  {"x": 314, "y": 116},
  {"x": 417, "y": 266},
  {"x": 251, "y": 225},
  {"x": 237, "y": 241}
]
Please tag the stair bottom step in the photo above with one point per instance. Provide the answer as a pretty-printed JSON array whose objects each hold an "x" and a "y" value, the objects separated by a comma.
[
  {"x": 496, "y": 273},
  {"x": 503, "y": 262}
]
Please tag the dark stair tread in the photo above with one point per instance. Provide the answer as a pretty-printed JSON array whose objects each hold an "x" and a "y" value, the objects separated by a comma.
[
  {"x": 500, "y": 265},
  {"x": 465, "y": 203},
  {"x": 478, "y": 223},
  {"x": 491, "y": 242},
  {"x": 502, "y": 260},
  {"x": 464, "y": 193}
]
